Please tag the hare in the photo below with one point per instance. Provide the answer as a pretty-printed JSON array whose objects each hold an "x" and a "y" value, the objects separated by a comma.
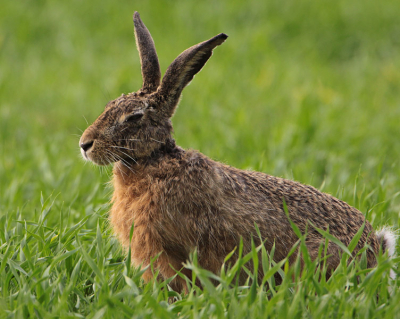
[{"x": 180, "y": 200}]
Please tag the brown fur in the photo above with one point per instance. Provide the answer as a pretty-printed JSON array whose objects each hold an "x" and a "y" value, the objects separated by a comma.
[{"x": 181, "y": 200}]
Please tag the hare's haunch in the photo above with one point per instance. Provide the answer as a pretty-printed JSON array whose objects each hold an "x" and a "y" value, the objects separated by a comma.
[{"x": 181, "y": 200}]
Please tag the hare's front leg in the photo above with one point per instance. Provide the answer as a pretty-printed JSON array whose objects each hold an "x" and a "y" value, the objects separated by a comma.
[
  {"x": 166, "y": 270},
  {"x": 146, "y": 245}
]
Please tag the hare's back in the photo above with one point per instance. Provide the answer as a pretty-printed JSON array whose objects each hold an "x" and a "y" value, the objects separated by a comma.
[{"x": 262, "y": 198}]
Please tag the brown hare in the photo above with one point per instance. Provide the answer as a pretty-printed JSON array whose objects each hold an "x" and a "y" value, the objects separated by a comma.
[{"x": 180, "y": 200}]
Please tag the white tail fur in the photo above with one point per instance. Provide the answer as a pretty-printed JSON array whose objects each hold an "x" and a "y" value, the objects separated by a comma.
[{"x": 387, "y": 239}]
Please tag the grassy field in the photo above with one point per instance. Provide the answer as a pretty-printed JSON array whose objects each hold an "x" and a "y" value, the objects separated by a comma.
[{"x": 306, "y": 90}]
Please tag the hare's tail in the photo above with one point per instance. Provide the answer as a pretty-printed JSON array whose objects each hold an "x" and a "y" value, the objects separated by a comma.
[{"x": 387, "y": 239}]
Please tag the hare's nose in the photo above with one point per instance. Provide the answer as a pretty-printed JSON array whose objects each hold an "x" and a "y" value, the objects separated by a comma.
[{"x": 86, "y": 146}]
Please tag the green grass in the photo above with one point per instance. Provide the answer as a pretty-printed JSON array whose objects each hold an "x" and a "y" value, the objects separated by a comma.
[{"x": 306, "y": 90}]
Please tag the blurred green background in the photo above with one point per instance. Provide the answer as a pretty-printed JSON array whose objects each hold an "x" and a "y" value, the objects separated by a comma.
[{"x": 307, "y": 90}]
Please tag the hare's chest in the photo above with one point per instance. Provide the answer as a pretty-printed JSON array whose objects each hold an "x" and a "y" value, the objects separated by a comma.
[
  {"x": 131, "y": 209},
  {"x": 142, "y": 213}
]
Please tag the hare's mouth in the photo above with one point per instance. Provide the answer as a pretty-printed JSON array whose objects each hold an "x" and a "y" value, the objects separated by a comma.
[
  {"x": 98, "y": 157},
  {"x": 98, "y": 160}
]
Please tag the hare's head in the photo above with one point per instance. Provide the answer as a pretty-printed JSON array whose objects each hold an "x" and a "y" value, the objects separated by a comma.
[{"x": 136, "y": 125}]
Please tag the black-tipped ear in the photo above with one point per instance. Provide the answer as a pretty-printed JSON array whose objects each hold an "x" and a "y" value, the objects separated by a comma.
[
  {"x": 148, "y": 56},
  {"x": 182, "y": 71}
]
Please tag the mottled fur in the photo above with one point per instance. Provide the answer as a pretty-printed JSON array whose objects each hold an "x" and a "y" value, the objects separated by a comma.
[{"x": 181, "y": 200}]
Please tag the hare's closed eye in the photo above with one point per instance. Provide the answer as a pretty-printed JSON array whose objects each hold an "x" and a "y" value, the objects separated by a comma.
[
  {"x": 135, "y": 117},
  {"x": 130, "y": 118}
]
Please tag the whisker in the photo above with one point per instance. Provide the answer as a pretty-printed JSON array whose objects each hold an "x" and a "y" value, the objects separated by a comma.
[
  {"x": 121, "y": 171},
  {"x": 111, "y": 156},
  {"x": 129, "y": 139},
  {"x": 125, "y": 148},
  {"x": 104, "y": 91},
  {"x": 125, "y": 163},
  {"x": 116, "y": 157},
  {"x": 129, "y": 157},
  {"x": 108, "y": 160},
  {"x": 157, "y": 140},
  {"x": 85, "y": 119}
]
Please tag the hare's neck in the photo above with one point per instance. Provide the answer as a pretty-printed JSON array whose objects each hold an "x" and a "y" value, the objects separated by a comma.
[
  {"x": 149, "y": 167},
  {"x": 167, "y": 150}
]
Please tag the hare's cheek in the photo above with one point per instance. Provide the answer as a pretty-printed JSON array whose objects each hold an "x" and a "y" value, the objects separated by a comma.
[{"x": 97, "y": 156}]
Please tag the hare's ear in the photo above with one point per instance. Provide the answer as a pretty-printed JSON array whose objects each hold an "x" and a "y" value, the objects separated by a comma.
[
  {"x": 182, "y": 71},
  {"x": 148, "y": 56}
]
